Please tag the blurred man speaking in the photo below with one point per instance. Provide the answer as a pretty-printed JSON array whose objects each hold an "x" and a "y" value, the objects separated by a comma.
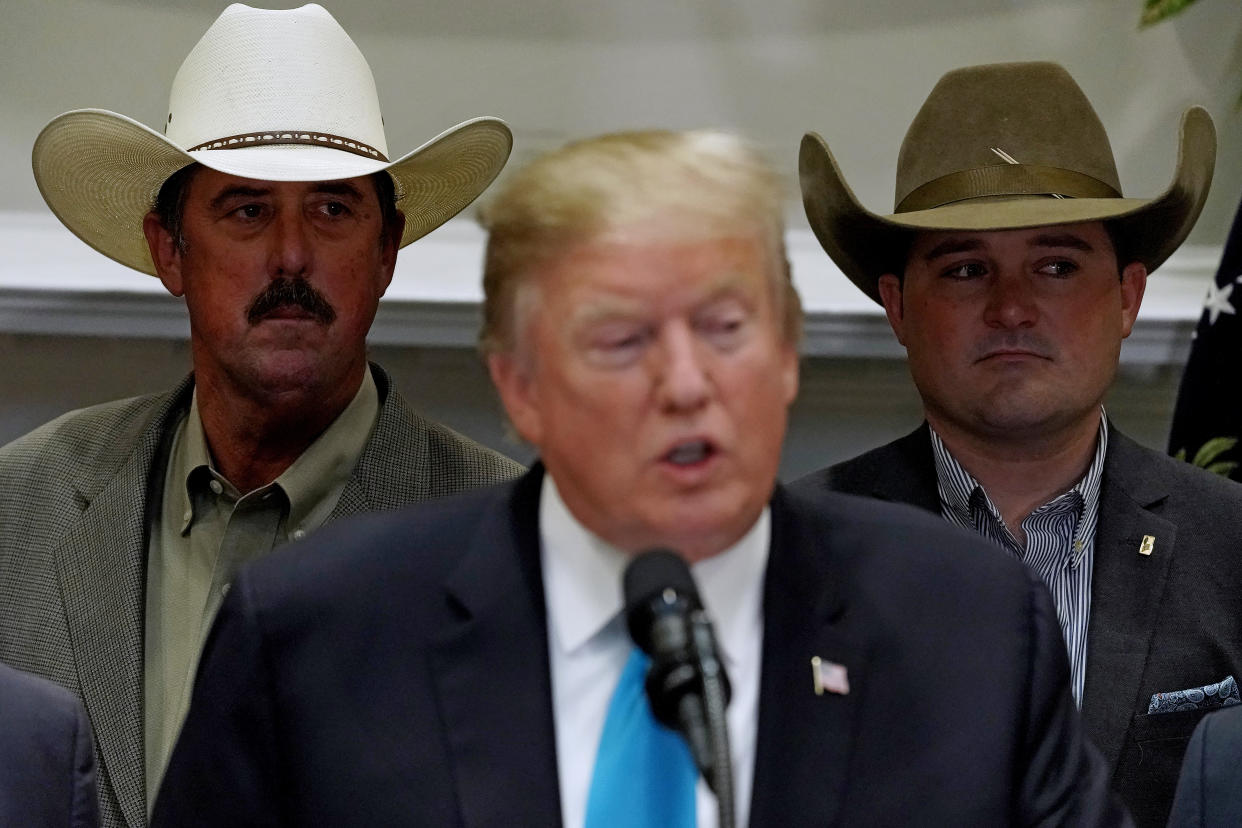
[{"x": 469, "y": 664}]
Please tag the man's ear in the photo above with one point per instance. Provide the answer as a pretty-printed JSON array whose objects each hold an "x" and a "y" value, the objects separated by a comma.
[
  {"x": 890, "y": 295},
  {"x": 515, "y": 383},
  {"x": 164, "y": 253},
  {"x": 1133, "y": 285}
]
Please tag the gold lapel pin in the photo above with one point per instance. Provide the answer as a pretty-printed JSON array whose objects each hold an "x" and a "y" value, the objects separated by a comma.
[{"x": 1148, "y": 545}]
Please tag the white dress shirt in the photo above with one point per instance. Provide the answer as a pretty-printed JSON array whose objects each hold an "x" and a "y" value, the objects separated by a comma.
[{"x": 588, "y": 645}]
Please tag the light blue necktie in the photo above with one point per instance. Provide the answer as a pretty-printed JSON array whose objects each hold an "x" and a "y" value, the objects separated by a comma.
[{"x": 644, "y": 775}]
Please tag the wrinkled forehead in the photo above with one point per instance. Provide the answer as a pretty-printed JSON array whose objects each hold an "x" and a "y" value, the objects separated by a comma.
[{"x": 650, "y": 267}]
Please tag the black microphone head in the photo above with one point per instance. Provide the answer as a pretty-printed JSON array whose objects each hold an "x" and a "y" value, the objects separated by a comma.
[{"x": 655, "y": 582}]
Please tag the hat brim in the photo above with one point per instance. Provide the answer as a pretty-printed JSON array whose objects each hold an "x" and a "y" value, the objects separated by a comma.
[
  {"x": 866, "y": 245},
  {"x": 100, "y": 172}
]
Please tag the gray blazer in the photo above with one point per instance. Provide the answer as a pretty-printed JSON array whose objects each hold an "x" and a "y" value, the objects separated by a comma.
[
  {"x": 73, "y": 525},
  {"x": 1164, "y": 622},
  {"x": 47, "y": 759}
]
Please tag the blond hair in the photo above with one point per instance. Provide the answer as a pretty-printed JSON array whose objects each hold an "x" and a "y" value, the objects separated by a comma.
[{"x": 709, "y": 183}]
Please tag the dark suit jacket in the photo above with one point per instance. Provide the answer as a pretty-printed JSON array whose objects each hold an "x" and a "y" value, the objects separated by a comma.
[
  {"x": 73, "y": 548},
  {"x": 1209, "y": 792},
  {"x": 1168, "y": 621},
  {"x": 394, "y": 671},
  {"x": 47, "y": 757}
]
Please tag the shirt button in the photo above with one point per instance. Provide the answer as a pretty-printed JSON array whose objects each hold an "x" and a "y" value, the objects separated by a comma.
[
  {"x": 224, "y": 590},
  {"x": 298, "y": 534},
  {"x": 215, "y": 486}
]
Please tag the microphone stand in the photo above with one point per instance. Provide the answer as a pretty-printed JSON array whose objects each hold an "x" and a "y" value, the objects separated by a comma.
[
  {"x": 687, "y": 686},
  {"x": 720, "y": 775},
  {"x": 689, "y": 692}
]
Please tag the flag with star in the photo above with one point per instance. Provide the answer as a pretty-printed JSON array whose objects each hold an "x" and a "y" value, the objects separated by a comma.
[{"x": 1207, "y": 422}]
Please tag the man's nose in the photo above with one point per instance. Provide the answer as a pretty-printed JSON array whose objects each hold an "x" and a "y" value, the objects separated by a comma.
[
  {"x": 291, "y": 249},
  {"x": 683, "y": 373},
  {"x": 1011, "y": 301}
]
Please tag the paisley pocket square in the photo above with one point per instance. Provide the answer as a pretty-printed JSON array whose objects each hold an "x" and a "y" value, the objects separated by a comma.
[{"x": 1208, "y": 697}]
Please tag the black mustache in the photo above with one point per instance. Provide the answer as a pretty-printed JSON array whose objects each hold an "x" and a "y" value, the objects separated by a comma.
[{"x": 284, "y": 292}]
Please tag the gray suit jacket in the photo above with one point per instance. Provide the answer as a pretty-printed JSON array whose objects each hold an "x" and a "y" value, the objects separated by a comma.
[
  {"x": 73, "y": 526},
  {"x": 47, "y": 759},
  {"x": 1168, "y": 621},
  {"x": 1209, "y": 793}
]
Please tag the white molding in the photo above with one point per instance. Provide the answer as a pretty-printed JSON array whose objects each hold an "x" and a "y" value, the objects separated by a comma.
[{"x": 51, "y": 283}]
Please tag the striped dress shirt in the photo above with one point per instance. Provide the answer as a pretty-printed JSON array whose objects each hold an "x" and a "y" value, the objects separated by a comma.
[{"x": 1060, "y": 539}]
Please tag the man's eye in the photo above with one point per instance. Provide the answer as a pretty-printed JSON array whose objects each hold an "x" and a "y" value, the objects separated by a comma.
[
  {"x": 333, "y": 208},
  {"x": 1060, "y": 267},
  {"x": 620, "y": 343},
  {"x": 616, "y": 348},
  {"x": 966, "y": 270},
  {"x": 249, "y": 211},
  {"x": 723, "y": 330}
]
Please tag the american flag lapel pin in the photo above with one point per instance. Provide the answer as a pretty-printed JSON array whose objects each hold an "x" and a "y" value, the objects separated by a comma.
[{"x": 829, "y": 677}]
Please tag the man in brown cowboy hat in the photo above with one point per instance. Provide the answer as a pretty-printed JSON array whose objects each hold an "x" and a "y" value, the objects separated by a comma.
[
  {"x": 1011, "y": 269},
  {"x": 270, "y": 203}
]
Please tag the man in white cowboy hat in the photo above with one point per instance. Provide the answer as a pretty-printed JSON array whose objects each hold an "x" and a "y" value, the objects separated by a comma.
[
  {"x": 1011, "y": 270},
  {"x": 271, "y": 204}
]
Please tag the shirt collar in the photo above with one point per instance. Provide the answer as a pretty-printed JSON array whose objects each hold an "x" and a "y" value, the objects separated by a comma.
[
  {"x": 961, "y": 494},
  {"x": 582, "y": 579},
  {"x": 325, "y": 464},
  {"x": 189, "y": 455}
]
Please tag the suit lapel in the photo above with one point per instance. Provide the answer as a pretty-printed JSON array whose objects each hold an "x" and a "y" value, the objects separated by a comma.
[
  {"x": 491, "y": 671},
  {"x": 101, "y": 567},
  {"x": 1126, "y": 592},
  {"x": 804, "y": 739},
  {"x": 904, "y": 471},
  {"x": 382, "y": 477}
]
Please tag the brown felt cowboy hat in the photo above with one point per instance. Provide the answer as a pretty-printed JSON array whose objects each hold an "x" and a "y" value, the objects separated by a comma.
[
  {"x": 1000, "y": 147},
  {"x": 272, "y": 95}
]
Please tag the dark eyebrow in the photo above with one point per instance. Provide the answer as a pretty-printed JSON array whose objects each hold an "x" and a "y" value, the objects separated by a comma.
[
  {"x": 952, "y": 245},
  {"x": 338, "y": 188},
  {"x": 341, "y": 188},
  {"x": 240, "y": 191},
  {"x": 1062, "y": 240}
]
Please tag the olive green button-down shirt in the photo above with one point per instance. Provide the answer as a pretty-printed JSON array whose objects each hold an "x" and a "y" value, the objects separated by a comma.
[{"x": 205, "y": 530}]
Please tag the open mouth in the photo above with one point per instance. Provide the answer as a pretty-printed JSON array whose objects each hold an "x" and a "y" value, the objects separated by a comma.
[{"x": 690, "y": 453}]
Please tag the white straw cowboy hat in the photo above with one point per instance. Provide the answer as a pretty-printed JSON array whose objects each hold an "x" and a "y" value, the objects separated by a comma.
[
  {"x": 1001, "y": 147},
  {"x": 271, "y": 95}
]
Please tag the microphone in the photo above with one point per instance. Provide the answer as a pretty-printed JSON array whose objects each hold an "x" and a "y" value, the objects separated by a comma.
[{"x": 687, "y": 686}]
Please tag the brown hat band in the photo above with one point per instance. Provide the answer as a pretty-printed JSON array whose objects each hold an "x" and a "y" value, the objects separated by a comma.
[
  {"x": 315, "y": 139},
  {"x": 1004, "y": 180}
]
